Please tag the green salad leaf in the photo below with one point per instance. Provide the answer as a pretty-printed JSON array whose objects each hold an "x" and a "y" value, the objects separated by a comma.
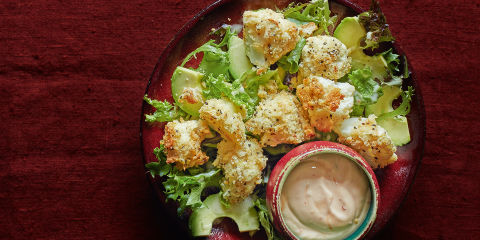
[
  {"x": 217, "y": 87},
  {"x": 290, "y": 62},
  {"x": 242, "y": 92},
  {"x": 406, "y": 72},
  {"x": 227, "y": 32},
  {"x": 316, "y": 11},
  {"x": 265, "y": 219},
  {"x": 184, "y": 187},
  {"x": 367, "y": 90},
  {"x": 161, "y": 167},
  {"x": 376, "y": 26},
  {"x": 251, "y": 82},
  {"x": 401, "y": 110},
  {"x": 215, "y": 60},
  {"x": 164, "y": 111},
  {"x": 394, "y": 78},
  {"x": 187, "y": 189},
  {"x": 214, "y": 64}
]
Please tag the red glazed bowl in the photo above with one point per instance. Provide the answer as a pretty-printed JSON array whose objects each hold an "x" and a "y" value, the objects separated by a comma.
[{"x": 288, "y": 162}]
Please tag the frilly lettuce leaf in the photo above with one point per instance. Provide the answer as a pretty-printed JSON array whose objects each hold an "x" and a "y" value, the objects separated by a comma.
[
  {"x": 218, "y": 87},
  {"x": 161, "y": 167},
  {"x": 242, "y": 92},
  {"x": 265, "y": 219},
  {"x": 290, "y": 62},
  {"x": 367, "y": 90},
  {"x": 187, "y": 189},
  {"x": 164, "y": 111},
  {"x": 396, "y": 74},
  {"x": 401, "y": 110},
  {"x": 376, "y": 26},
  {"x": 316, "y": 11},
  {"x": 251, "y": 83},
  {"x": 215, "y": 60},
  {"x": 184, "y": 187}
]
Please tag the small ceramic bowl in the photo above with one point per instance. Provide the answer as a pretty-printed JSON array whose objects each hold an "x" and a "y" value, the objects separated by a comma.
[{"x": 296, "y": 156}]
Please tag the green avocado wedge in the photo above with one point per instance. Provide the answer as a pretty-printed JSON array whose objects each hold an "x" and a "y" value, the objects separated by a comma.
[
  {"x": 239, "y": 62},
  {"x": 186, "y": 79},
  {"x": 243, "y": 213},
  {"x": 396, "y": 127},
  {"x": 350, "y": 32}
]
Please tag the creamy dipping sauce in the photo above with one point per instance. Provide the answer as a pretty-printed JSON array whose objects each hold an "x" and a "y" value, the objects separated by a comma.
[{"x": 326, "y": 196}]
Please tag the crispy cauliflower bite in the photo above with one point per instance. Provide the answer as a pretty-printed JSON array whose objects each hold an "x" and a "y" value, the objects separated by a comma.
[
  {"x": 368, "y": 139},
  {"x": 190, "y": 96},
  {"x": 268, "y": 36},
  {"x": 242, "y": 166},
  {"x": 182, "y": 141},
  {"x": 307, "y": 30},
  {"x": 280, "y": 119},
  {"x": 324, "y": 56},
  {"x": 224, "y": 117},
  {"x": 326, "y": 102}
]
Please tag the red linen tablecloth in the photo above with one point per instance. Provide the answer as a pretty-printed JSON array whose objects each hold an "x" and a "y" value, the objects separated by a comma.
[{"x": 72, "y": 77}]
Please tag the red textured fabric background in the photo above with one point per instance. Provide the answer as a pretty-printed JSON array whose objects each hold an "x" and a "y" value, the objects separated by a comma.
[{"x": 72, "y": 77}]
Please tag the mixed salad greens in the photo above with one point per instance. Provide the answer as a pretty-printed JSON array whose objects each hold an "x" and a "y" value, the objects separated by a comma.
[{"x": 225, "y": 72}]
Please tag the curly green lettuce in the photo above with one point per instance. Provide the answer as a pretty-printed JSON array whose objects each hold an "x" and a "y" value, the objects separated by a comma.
[
  {"x": 184, "y": 187},
  {"x": 290, "y": 62},
  {"x": 376, "y": 26},
  {"x": 242, "y": 92},
  {"x": 215, "y": 60},
  {"x": 316, "y": 11},
  {"x": 164, "y": 111},
  {"x": 401, "y": 110},
  {"x": 161, "y": 167},
  {"x": 187, "y": 189},
  {"x": 367, "y": 90},
  {"x": 265, "y": 219}
]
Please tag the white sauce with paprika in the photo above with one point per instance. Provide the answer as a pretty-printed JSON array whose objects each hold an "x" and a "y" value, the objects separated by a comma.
[{"x": 326, "y": 196}]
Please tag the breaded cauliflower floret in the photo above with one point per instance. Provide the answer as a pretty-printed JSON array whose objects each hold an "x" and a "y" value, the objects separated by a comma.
[
  {"x": 324, "y": 56},
  {"x": 268, "y": 36},
  {"x": 280, "y": 119},
  {"x": 368, "y": 139},
  {"x": 182, "y": 141},
  {"x": 242, "y": 166},
  {"x": 307, "y": 30},
  {"x": 224, "y": 117},
  {"x": 267, "y": 89},
  {"x": 190, "y": 96},
  {"x": 327, "y": 103}
]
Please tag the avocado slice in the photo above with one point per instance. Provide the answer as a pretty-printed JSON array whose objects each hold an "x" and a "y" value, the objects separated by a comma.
[
  {"x": 350, "y": 32},
  {"x": 397, "y": 127},
  {"x": 243, "y": 213},
  {"x": 239, "y": 62},
  {"x": 184, "y": 79}
]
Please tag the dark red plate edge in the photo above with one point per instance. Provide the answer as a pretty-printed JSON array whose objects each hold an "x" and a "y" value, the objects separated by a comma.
[{"x": 191, "y": 23}]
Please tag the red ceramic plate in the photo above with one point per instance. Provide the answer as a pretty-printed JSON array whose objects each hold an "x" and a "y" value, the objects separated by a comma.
[{"x": 394, "y": 180}]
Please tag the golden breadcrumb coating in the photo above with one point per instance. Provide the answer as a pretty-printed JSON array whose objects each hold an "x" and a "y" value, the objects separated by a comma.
[
  {"x": 280, "y": 119},
  {"x": 307, "y": 30},
  {"x": 190, "y": 96},
  {"x": 242, "y": 166},
  {"x": 182, "y": 141},
  {"x": 326, "y": 102},
  {"x": 368, "y": 139},
  {"x": 324, "y": 56},
  {"x": 268, "y": 36},
  {"x": 224, "y": 117},
  {"x": 269, "y": 88}
]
